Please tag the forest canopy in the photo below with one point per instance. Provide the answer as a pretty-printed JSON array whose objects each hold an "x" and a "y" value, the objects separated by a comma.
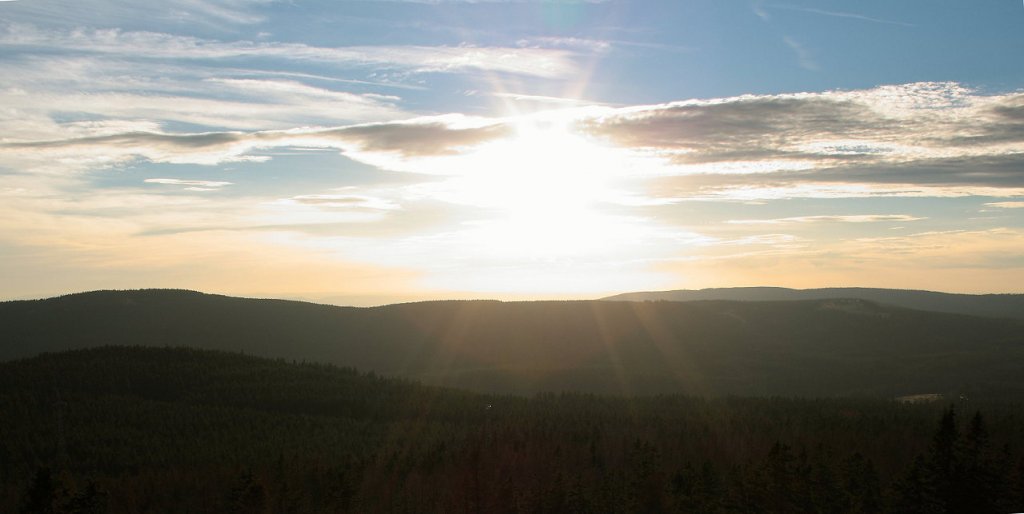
[{"x": 130, "y": 429}]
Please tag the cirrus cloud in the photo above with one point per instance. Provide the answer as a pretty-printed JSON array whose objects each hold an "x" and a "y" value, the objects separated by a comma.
[{"x": 149, "y": 46}]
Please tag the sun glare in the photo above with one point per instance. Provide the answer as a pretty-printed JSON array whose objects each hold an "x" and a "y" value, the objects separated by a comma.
[{"x": 547, "y": 188}]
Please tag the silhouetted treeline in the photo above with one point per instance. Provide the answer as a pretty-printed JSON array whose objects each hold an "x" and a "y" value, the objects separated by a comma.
[{"x": 181, "y": 430}]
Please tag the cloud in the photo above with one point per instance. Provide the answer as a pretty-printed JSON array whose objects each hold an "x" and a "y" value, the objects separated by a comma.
[
  {"x": 757, "y": 6},
  {"x": 418, "y": 139},
  {"x": 385, "y": 144},
  {"x": 498, "y": 1},
  {"x": 803, "y": 55},
  {"x": 294, "y": 92},
  {"x": 205, "y": 148},
  {"x": 993, "y": 171},
  {"x": 855, "y": 218},
  {"x": 216, "y": 14},
  {"x": 57, "y": 78},
  {"x": 67, "y": 96},
  {"x": 342, "y": 201},
  {"x": 772, "y": 190},
  {"x": 772, "y": 240},
  {"x": 840, "y": 14},
  {"x": 722, "y": 129},
  {"x": 1006, "y": 205},
  {"x": 921, "y": 140},
  {"x": 190, "y": 185},
  {"x": 591, "y": 45},
  {"x": 913, "y": 140},
  {"x": 543, "y": 101},
  {"x": 142, "y": 45}
]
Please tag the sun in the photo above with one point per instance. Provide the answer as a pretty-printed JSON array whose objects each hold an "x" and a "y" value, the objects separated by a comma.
[
  {"x": 548, "y": 188},
  {"x": 545, "y": 209}
]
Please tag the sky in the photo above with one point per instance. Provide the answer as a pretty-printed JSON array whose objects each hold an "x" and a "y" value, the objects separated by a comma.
[{"x": 368, "y": 152}]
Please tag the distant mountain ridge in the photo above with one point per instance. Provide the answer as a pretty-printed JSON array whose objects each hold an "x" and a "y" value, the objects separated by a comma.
[
  {"x": 803, "y": 348},
  {"x": 992, "y": 305}
]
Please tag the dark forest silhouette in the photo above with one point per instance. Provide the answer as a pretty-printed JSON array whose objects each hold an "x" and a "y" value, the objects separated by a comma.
[
  {"x": 161, "y": 430},
  {"x": 165, "y": 401}
]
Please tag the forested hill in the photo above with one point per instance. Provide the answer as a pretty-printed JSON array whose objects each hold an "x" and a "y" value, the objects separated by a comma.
[
  {"x": 811, "y": 348},
  {"x": 138, "y": 430},
  {"x": 994, "y": 305}
]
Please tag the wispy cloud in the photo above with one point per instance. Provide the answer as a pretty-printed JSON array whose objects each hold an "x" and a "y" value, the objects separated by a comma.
[
  {"x": 854, "y": 218},
  {"x": 66, "y": 96},
  {"x": 543, "y": 100},
  {"x": 190, "y": 185},
  {"x": 378, "y": 143},
  {"x": 214, "y": 14},
  {"x": 1006, "y": 205},
  {"x": 540, "y": 62},
  {"x": 591, "y": 45},
  {"x": 777, "y": 241},
  {"x": 62, "y": 78},
  {"x": 803, "y": 55},
  {"x": 758, "y": 7},
  {"x": 344, "y": 201},
  {"x": 841, "y": 14},
  {"x": 498, "y": 1}
]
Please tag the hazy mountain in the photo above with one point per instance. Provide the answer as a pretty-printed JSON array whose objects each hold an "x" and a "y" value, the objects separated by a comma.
[
  {"x": 995, "y": 305},
  {"x": 811, "y": 348}
]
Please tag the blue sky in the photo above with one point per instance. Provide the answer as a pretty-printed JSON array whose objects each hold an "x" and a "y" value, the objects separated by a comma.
[{"x": 368, "y": 152}]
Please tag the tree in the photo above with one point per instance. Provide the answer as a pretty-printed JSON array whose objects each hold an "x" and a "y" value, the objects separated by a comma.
[
  {"x": 248, "y": 496},
  {"x": 915, "y": 492},
  {"x": 43, "y": 494},
  {"x": 862, "y": 485},
  {"x": 91, "y": 500},
  {"x": 981, "y": 482}
]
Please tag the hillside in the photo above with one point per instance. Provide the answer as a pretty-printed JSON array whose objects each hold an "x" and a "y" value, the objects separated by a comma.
[
  {"x": 138, "y": 430},
  {"x": 809, "y": 348},
  {"x": 993, "y": 305}
]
